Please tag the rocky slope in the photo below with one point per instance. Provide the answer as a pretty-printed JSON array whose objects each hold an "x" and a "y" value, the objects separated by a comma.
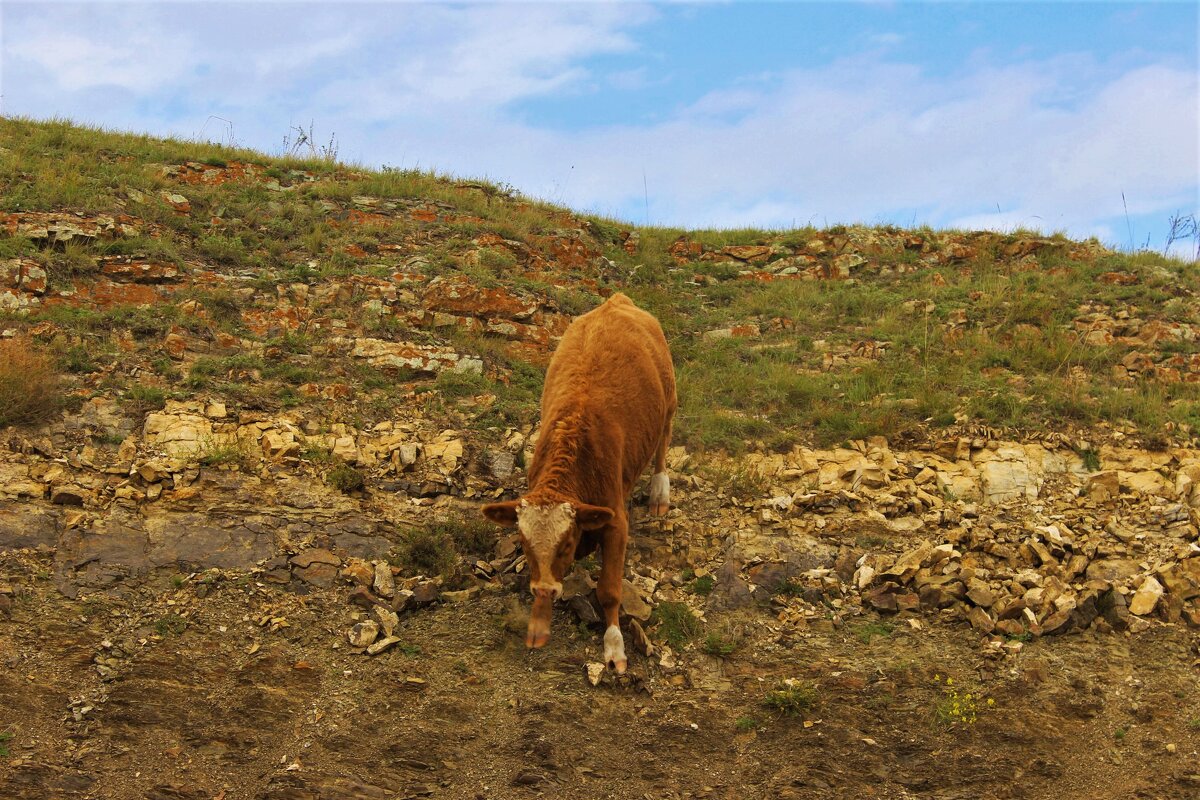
[{"x": 288, "y": 386}]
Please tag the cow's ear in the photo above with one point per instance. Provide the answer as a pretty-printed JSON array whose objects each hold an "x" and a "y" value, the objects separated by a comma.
[
  {"x": 589, "y": 518},
  {"x": 502, "y": 513}
]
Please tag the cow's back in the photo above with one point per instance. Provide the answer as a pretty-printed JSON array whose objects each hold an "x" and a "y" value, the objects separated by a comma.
[{"x": 613, "y": 365}]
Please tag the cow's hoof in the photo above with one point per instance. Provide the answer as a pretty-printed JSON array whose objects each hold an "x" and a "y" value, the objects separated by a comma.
[
  {"x": 535, "y": 640},
  {"x": 618, "y": 665},
  {"x": 659, "y": 510}
]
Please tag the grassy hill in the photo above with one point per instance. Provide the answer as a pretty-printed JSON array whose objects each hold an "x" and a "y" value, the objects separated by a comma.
[
  {"x": 146, "y": 269},
  {"x": 249, "y": 407}
]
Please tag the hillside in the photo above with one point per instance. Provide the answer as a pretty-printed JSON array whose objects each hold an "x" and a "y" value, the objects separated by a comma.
[{"x": 937, "y": 496}]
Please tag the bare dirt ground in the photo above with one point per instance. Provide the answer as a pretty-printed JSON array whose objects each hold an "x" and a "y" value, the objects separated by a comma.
[{"x": 219, "y": 687}]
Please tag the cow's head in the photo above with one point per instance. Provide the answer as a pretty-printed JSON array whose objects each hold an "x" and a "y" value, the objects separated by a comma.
[{"x": 549, "y": 534}]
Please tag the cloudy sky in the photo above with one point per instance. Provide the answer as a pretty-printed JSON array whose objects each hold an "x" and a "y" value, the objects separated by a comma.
[{"x": 993, "y": 115}]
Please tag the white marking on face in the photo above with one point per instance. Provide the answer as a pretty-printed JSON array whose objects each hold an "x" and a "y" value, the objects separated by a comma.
[{"x": 544, "y": 528}]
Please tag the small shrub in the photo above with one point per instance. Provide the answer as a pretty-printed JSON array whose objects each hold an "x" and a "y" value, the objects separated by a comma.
[
  {"x": 1119, "y": 733},
  {"x": 166, "y": 368},
  {"x": 454, "y": 385},
  {"x": 5, "y": 738},
  {"x": 223, "y": 249},
  {"x": 428, "y": 551},
  {"x": 141, "y": 398},
  {"x": 676, "y": 624},
  {"x": 742, "y": 483},
  {"x": 789, "y": 588},
  {"x": 958, "y": 707},
  {"x": 77, "y": 359},
  {"x": 170, "y": 624},
  {"x": 1091, "y": 459},
  {"x": 317, "y": 454},
  {"x": 30, "y": 390},
  {"x": 345, "y": 478},
  {"x": 231, "y": 454},
  {"x": 717, "y": 645},
  {"x": 745, "y": 724},
  {"x": 469, "y": 536},
  {"x": 703, "y": 585},
  {"x": 791, "y": 697},
  {"x": 223, "y": 306}
]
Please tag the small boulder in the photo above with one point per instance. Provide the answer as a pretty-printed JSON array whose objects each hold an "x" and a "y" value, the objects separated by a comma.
[
  {"x": 363, "y": 633},
  {"x": 1146, "y": 597}
]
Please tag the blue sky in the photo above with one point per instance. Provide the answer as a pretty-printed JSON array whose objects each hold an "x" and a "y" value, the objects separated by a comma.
[{"x": 992, "y": 115}]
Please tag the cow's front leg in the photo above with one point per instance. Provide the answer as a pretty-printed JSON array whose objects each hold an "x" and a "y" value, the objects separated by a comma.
[{"x": 608, "y": 590}]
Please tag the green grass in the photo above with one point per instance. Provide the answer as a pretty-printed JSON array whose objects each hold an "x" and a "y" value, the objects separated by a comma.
[
  {"x": 468, "y": 535},
  {"x": 140, "y": 399},
  {"x": 873, "y": 630},
  {"x": 171, "y": 624},
  {"x": 345, "y": 478},
  {"x": 675, "y": 624},
  {"x": 227, "y": 454},
  {"x": 898, "y": 351},
  {"x": 427, "y": 551},
  {"x": 5, "y": 738},
  {"x": 791, "y": 698},
  {"x": 718, "y": 645},
  {"x": 789, "y": 588}
]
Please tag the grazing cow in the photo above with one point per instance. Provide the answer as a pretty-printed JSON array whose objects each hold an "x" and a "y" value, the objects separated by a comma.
[{"x": 606, "y": 411}]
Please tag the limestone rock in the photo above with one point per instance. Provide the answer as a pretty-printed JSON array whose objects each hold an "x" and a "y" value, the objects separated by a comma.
[
  {"x": 1146, "y": 597},
  {"x": 384, "y": 584},
  {"x": 980, "y": 620},
  {"x": 595, "y": 671},
  {"x": 381, "y": 645},
  {"x": 632, "y": 603},
  {"x": 363, "y": 634},
  {"x": 388, "y": 619}
]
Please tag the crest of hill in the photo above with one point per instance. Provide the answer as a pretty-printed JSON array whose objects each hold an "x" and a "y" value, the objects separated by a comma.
[{"x": 146, "y": 271}]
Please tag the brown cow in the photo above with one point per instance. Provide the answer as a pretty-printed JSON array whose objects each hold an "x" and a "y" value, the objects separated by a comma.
[{"x": 606, "y": 411}]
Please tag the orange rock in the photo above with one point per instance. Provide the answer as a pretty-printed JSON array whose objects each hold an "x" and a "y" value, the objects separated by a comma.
[
  {"x": 457, "y": 295},
  {"x": 175, "y": 345},
  {"x": 630, "y": 241},
  {"x": 752, "y": 253},
  {"x": 1119, "y": 278},
  {"x": 138, "y": 270},
  {"x": 684, "y": 250},
  {"x": 569, "y": 252}
]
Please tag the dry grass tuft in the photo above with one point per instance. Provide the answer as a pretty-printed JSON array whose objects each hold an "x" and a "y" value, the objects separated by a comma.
[{"x": 30, "y": 389}]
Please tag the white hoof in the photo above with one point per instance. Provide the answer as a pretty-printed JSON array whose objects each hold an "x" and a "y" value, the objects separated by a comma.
[
  {"x": 614, "y": 650},
  {"x": 660, "y": 494}
]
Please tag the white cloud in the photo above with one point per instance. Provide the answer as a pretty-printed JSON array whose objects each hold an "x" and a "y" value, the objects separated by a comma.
[
  {"x": 139, "y": 58},
  {"x": 1052, "y": 143}
]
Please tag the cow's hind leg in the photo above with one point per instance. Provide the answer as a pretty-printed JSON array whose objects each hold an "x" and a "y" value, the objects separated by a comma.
[
  {"x": 660, "y": 484},
  {"x": 608, "y": 590}
]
